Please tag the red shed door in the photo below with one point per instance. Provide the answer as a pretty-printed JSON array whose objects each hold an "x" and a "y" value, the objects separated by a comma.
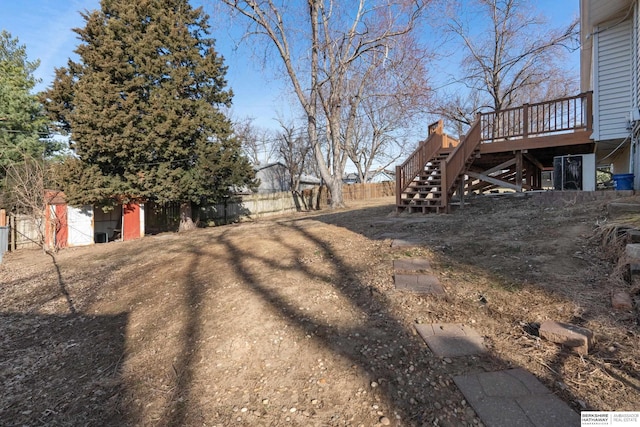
[
  {"x": 131, "y": 221},
  {"x": 62, "y": 230}
]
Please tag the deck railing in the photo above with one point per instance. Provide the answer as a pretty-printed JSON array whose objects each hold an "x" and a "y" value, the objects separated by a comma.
[
  {"x": 554, "y": 117},
  {"x": 541, "y": 119}
]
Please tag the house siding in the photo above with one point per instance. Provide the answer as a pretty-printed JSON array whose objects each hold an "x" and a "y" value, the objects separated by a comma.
[
  {"x": 636, "y": 56},
  {"x": 613, "y": 80}
]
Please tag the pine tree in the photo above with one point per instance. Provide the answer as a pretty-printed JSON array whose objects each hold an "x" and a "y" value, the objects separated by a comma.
[
  {"x": 21, "y": 120},
  {"x": 143, "y": 105}
]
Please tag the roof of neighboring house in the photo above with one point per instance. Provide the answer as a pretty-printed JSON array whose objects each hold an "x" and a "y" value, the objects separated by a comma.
[
  {"x": 268, "y": 165},
  {"x": 304, "y": 179},
  {"x": 309, "y": 179}
]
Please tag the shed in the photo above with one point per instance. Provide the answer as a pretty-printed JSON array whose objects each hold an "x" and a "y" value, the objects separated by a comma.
[{"x": 68, "y": 226}]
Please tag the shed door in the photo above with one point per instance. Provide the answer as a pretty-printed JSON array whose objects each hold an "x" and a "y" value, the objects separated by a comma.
[
  {"x": 130, "y": 221},
  {"x": 80, "y": 226},
  {"x": 62, "y": 230}
]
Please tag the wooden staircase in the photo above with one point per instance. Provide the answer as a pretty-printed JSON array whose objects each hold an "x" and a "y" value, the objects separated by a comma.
[
  {"x": 506, "y": 149},
  {"x": 426, "y": 181}
]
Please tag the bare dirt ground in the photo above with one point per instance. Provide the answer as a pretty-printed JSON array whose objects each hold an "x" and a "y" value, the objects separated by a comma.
[{"x": 295, "y": 320}]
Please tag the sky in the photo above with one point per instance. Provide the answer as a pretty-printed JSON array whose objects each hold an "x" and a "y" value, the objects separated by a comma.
[{"x": 45, "y": 27}]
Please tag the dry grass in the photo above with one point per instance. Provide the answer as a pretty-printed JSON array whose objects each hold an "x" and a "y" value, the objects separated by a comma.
[{"x": 238, "y": 325}]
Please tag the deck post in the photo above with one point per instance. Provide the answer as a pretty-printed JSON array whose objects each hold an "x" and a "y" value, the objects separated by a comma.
[
  {"x": 519, "y": 170},
  {"x": 589, "y": 118},
  {"x": 525, "y": 121},
  {"x": 399, "y": 182},
  {"x": 444, "y": 186}
]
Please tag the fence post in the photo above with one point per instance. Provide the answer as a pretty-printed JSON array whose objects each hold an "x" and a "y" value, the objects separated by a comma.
[
  {"x": 13, "y": 236},
  {"x": 3, "y": 218}
]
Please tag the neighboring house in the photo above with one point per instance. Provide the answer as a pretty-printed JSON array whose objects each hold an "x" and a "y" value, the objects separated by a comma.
[
  {"x": 351, "y": 178},
  {"x": 610, "y": 67},
  {"x": 374, "y": 177},
  {"x": 383, "y": 176},
  {"x": 274, "y": 178}
]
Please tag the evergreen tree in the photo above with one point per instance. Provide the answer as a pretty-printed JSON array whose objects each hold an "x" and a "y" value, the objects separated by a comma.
[
  {"x": 21, "y": 120},
  {"x": 143, "y": 108}
]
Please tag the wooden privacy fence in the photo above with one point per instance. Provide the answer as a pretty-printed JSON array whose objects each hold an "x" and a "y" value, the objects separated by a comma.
[
  {"x": 367, "y": 191},
  {"x": 23, "y": 231},
  {"x": 19, "y": 231},
  {"x": 160, "y": 218}
]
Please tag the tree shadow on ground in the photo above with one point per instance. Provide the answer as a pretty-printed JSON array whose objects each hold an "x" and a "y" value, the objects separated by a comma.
[
  {"x": 382, "y": 223},
  {"x": 177, "y": 410},
  {"x": 61, "y": 369},
  {"x": 382, "y": 343}
]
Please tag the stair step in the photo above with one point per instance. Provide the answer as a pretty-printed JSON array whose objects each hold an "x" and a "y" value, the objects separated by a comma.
[
  {"x": 414, "y": 193},
  {"x": 423, "y": 186},
  {"x": 422, "y": 197},
  {"x": 434, "y": 203}
]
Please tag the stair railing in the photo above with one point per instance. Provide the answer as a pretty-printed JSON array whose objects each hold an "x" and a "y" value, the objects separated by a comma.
[
  {"x": 455, "y": 163},
  {"x": 415, "y": 163}
]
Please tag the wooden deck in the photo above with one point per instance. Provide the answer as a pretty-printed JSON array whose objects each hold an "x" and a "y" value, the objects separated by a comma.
[{"x": 508, "y": 148}]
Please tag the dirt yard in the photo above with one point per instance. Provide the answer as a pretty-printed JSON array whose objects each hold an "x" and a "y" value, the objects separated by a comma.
[{"x": 295, "y": 320}]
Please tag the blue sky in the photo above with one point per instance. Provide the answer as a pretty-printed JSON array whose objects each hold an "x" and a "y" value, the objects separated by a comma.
[{"x": 44, "y": 26}]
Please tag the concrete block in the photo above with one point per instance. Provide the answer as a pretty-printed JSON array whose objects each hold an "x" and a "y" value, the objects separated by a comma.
[
  {"x": 632, "y": 250},
  {"x": 634, "y": 268},
  {"x": 514, "y": 398},
  {"x": 633, "y": 236},
  {"x": 451, "y": 339},
  {"x": 411, "y": 264},
  {"x": 548, "y": 411},
  {"x": 615, "y": 209},
  {"x": 404, "y": 243},
  {"x": 421, "y": 283},
  {"x": 577, "y": 338},
  {"x": 622, "y": 301}
]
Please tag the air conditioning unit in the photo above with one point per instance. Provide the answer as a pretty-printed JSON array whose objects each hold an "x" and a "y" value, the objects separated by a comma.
[{"x": 574, "y": 172}]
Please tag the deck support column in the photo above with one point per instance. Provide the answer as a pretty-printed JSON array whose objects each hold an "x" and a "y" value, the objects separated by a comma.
[
  {"x": 519, "y": 164},
  {"x": 529, "y": 174}
]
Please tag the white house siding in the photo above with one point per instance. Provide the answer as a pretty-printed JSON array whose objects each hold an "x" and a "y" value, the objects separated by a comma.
[
  {"x": 80, "y": 226},
  {"x": 636, "y": 56},
  {"x": 612, "y": 91}
]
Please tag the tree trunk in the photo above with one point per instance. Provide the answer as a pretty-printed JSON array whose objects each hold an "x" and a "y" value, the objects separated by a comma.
[
  {"x": 335, "y": 188},
  {"x": 186, "y": 222}
]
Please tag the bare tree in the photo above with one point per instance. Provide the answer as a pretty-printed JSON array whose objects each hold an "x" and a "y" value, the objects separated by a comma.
[
  {"x": 395, "y": 98},
  {"x": 512, "y": 56},
  {"x": 460, "y": 109},
  {"x": 256, "y": 142},
  {"x": 328, "y": 50},
  {"x": 25, "y": 192},
  {"x": 295, "y": 151}
]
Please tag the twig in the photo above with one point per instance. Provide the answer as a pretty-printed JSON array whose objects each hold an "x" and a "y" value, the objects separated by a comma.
[{"x": 548, "y": 367}]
